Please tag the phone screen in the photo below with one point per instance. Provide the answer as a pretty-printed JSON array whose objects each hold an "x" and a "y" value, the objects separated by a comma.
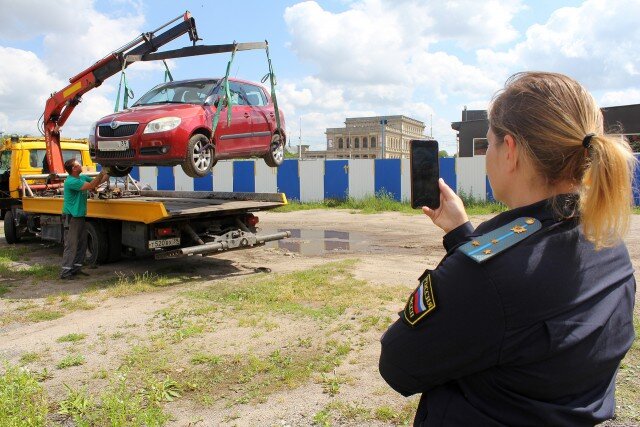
[{"x": 424, "y": 174}]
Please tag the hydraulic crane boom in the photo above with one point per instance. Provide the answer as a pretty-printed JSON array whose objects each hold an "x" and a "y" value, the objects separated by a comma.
[{"x": 61, "y": 104}]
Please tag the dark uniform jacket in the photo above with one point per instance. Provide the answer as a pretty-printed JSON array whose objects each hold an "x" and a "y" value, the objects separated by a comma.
[{"x": 532, "y": 336}]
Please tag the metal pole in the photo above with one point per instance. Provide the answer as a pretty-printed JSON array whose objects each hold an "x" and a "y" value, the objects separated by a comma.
[
  {"x": 383, "y": 123},
  {"x": 300, "y": 141}
]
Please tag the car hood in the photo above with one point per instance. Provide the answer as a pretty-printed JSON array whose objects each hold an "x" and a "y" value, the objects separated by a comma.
[{"x": 147, "y": 113}]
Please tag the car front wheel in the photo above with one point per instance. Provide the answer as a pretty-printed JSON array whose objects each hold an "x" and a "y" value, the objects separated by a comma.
[
  {"x": 275, "y": 155},
  {"x": 200, "y": 157}
]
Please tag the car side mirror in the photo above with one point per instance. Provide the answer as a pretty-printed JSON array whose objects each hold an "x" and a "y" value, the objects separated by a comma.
[{"x": 213, "y": 100}]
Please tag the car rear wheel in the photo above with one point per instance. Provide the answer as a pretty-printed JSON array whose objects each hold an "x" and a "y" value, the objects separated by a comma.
[
  {"x": 275, "y": 156},
  {"x": 200, "y": 157},
  {"x": 119, "y": 171}
]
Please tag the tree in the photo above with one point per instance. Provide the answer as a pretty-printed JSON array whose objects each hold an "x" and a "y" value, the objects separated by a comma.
[{"x": 443, "y": 153}]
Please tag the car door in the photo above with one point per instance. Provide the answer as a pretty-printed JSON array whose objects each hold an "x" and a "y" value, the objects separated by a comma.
[
  {"x": 234, "y": 139},
  {"x": 260, "y": 117}
]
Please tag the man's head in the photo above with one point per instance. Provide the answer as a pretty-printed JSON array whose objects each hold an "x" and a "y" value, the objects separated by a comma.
[{"x": 72, "y": 167}]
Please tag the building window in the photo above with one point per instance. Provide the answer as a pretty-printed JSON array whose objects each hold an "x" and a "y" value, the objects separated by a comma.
[
  {"x": 357, "y": 156},
  {"x": 373, "y": 156},
  {"x": 373, "y": 142},
  {"x": 356, "y": 142},
  {"x": 348, "y": 143},
  {"x": 340, "y": 143},
  {"x": 480, "y": 146},
  {"x": 364, "y": 142}
]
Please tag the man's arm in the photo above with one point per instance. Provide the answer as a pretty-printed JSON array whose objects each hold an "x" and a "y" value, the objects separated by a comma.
[{"x": 102, "y": 177}]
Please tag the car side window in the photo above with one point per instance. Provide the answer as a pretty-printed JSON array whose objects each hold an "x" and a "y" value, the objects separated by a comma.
[
  {"x": 255, "y": 95},
  {"x": 37, "y": 158}
]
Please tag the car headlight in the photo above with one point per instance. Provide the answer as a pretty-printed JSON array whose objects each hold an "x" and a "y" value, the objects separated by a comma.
[{"x": 162, "y": 125}]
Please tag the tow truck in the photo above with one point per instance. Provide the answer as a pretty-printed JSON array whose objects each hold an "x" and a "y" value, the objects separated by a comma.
[{"x": 125, "y": 219}]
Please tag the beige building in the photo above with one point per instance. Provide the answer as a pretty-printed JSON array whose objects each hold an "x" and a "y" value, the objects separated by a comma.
[{"x": 382, "y": 137}]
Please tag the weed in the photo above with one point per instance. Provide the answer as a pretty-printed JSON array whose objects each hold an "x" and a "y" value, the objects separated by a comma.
[
  {"x": 331, "y": 384},
  {"x": 23, "y": 401},
  {"x": 29, "y": 357},
  {"x": 71, "y": 360},
  {"x": 205, "y": 359},
  {"x": 42, "y": 315},
  {"x": 322, "y": 418},
  {"x": 74, "y": 304},
  {"x": 165, "y": 390},
  {"x": 4, "y": 289},
  {"x": 78, "y": 405},
  {"x": 72, "y": 337}
]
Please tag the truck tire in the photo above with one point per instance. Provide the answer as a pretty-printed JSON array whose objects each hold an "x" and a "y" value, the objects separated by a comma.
[
  {"x": 114, "y": 231},
  {"x": 11, "y": 234},
  {"x": 275, "y": 155},
  {"x": 97, "y": 244},
  {"x": 199, "y": 160}
]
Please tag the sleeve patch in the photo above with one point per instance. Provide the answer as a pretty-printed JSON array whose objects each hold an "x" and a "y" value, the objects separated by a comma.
[{"x": 420, "y": 303}]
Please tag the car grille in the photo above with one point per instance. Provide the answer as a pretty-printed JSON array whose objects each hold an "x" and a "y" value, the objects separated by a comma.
[
  {"x": 124, "y": 154},
  {"x": 123, "y": 130}
]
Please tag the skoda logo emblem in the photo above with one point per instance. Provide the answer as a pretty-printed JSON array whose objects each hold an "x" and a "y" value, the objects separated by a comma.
[{"x": 114, "y": 124}]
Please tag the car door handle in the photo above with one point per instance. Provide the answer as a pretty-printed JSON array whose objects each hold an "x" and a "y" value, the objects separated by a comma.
[{"x": 246, "y": 115}]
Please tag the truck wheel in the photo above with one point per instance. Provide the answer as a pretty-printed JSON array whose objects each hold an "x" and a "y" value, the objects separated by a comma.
[
  {"x": 115, "y": 241},
  {"x": 200, "y": 157},
  {"x": 11, "y": 234},
  {"x": 97, "y": 244},
  {"x": 275, "y": 156},
  {"x": 119, "y": 171}
]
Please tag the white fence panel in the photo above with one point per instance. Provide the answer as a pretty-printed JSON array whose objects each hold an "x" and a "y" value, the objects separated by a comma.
[
  {"x": 311, "y": 180},
  {"x": 182, "y": 180},
  {"x": 266, "y": 177},
  {"x": 223, "y": 176},
  {"x": 361, "y": 178},
  {"x": 405, "y": 180},
  {"x": 149, "y": 175},
  {"x": 472, "y": 176}
]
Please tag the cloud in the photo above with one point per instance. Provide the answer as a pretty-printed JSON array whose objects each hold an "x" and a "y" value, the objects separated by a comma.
[
  {"x": 596, "y": 43},
  {"x": 622, "y": 97}
]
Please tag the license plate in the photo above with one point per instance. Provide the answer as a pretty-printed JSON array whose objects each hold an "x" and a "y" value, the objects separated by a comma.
[
  {"x": 113, "y": 145},
  {"x": 174, "y": 241}
]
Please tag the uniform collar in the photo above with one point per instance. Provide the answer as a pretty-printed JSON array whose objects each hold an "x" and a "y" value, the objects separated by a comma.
[{"x": 554, "y": 209}]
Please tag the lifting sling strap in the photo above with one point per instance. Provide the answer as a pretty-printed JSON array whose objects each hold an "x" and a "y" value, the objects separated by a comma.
[
  {"x": 128, "y": 93},
  {"x": 167, "y": 73},
  {"x": 224, "y": 100}
]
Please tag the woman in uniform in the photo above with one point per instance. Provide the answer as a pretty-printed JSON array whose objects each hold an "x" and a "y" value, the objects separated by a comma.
[{"x": 527, "y": 317}]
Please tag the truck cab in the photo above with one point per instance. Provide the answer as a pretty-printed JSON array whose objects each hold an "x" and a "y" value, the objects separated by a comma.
[{"x": 26, "y": 156}]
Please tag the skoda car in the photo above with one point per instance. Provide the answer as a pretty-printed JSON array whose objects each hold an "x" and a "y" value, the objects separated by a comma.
[{"x": 172, "y": 125}]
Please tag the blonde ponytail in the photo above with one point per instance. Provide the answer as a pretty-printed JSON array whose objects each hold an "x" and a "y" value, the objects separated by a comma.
[{"x": 606, "y": 194}]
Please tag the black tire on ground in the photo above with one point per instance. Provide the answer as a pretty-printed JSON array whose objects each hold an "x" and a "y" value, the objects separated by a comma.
[
  {"x": 114, "y": 230},
  {"x": 119, "y": 171},
  {"x": 11, "y": 234},
  {"x": 2, "y": 212},
  {"x": 275, "y": 156},
  {"x": 198, "y": 162},
  {"x": 97, "y": 244}
]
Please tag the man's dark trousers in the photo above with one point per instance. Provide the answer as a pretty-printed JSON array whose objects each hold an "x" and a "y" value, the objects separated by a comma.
[{"x": 75, "y": 245}]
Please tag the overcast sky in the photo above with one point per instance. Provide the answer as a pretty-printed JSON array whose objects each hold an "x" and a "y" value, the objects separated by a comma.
[{"x": 333, "y": 59}]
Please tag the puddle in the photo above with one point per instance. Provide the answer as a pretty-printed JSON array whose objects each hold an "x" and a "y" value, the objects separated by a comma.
[{"x": 319, "y": 242}]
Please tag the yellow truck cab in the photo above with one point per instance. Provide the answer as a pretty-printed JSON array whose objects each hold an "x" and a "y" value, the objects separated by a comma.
[{"x": 26, "y": 156}]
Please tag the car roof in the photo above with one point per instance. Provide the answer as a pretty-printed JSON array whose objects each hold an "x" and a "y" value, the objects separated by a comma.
[{"x": 231, "y": 79}]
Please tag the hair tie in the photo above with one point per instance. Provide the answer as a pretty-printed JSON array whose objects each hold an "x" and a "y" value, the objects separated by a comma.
[{"x": 586, "y": 141}]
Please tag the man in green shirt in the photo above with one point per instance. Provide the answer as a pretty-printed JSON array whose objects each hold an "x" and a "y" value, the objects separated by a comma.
[{"x": 74, "y": 211}]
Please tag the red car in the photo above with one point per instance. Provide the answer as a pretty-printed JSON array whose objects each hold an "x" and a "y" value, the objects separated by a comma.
[{"x": 171, "y": 125}]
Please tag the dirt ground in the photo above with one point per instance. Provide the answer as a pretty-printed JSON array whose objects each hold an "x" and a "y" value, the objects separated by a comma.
[{"x": 391, "y": 249}]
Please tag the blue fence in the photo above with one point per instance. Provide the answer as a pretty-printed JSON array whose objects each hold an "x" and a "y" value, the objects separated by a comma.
[{"x": 390, "y": 176}]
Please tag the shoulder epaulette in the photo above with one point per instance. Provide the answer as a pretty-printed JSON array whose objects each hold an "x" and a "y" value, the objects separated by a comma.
[{"x": 489, "y": 245}]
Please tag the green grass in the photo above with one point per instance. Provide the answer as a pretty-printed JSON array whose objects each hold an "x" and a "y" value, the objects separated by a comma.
[
  {"x": 324, "y": 292},
  {"x": 628, "y": 383},
  {"x": 44, "y": 314},
  {"x": 13, "y": 254},
  {"x": 29, "y": 357},
  {"x": 23, "y": 401},
  {"x": 3, "y": 289},
  {"x": 124, "y": 285},
  {"x": 636, "y": 210},
  {"x": 71, "y": 360},
  {"x": 384, "y": 202},
  {"x": 72, "y": 337}
]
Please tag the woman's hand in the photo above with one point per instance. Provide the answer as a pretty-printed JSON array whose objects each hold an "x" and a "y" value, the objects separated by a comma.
[{"x": 451, "y": 213}]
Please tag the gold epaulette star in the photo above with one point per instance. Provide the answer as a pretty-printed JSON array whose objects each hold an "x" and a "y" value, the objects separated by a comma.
[
  {"x": 530, "y": 221},
  {"x": 475, "y": 243},
  {"x": 486, "y": 251},
  {"x": 519, "y": 229},
  {"x": 494, "y": 241}
]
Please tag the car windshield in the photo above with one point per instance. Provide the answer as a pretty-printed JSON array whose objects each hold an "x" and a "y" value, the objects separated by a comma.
[{"x": 189, "y": 92}]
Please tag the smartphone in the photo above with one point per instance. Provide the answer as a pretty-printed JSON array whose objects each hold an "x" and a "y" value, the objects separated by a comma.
[{"x": 424, "y": 169}]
